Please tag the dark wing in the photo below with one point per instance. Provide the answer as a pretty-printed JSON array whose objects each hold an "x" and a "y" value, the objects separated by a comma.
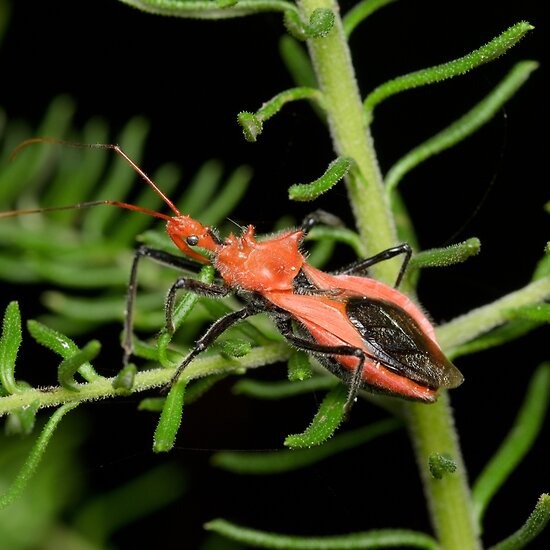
[{"x": 395, "y": 339}]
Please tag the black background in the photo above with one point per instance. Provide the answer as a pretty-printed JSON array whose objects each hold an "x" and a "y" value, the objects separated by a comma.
[{"x": 190, "y": 79}]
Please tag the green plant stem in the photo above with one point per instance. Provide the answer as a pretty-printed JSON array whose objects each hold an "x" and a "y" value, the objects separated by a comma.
[
  {"x": 432, "y": 431},
  {"x": 431, "y": 426},
  {"x": 332, "y": 62},
  {"x": 466, "y": 327},
  {"x": 103, "y": 387}
]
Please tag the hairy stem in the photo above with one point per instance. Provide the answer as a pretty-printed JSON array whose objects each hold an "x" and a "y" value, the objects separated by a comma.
[
  {"x": 432, "y": 430},
  {"x": 431, "y": 426},
  {"x": 332, "y": 61},
  {"x": 103, "y": 387}
]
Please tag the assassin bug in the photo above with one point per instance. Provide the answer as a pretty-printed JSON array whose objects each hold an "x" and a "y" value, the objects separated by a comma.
[{"x": 369, "y": 334}]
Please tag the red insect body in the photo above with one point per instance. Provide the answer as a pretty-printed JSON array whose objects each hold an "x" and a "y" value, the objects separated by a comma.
[
  {"x": 263, "y": 267},
  {"x": 270, "y": 268},
  {"x": 348, "y": 321}
]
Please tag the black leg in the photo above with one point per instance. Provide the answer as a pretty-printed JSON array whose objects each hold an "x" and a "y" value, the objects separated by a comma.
[
  {"x": 320, "y": 217},
  {"x": 215, "y": 330},
  {"x": 192, "y": 285},
  {"x": 160, "y": 257},
  {"x": 285, "y": 327},
  {"x": 359, "y": 267}
]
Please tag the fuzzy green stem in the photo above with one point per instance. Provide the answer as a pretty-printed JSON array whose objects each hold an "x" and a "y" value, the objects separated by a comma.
[
  {"x": 432, "y": 431},
  {"x": 332, "y": 62},
  {"x": 466, "y": 327},
  {"x": 431, "y": 427},
  {"x": 103, "y": 387}
]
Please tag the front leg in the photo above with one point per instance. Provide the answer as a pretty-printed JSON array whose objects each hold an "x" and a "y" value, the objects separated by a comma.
[
  {"x": 158, "y": 256},
  {"x": 192, "y": 285}
]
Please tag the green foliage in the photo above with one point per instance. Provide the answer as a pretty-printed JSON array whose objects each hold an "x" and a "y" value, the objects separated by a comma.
[
  {"x": 9, "y": 346},
  {"x": 490, "y": 51},
  {"x": 285, "y": 460},
  {"x": 360, "y": 12},
  {"x": 517, "y": 443},
  {"x": 299, "y": 367},
  {"x": 390, "y": 538},
  {"x": 336, "y": 170},
  {"x": 252, "y": 123},
  {"x": 531, "y": 529},
  {"x": 462, "y": 128},
  {"x": 441, "y": 464},
  {"x": 328, "y": 418},
  {"x": 170, "y": 419},
  {"x": 31, "y": 463},
  {"x": 88, "y": 253}
]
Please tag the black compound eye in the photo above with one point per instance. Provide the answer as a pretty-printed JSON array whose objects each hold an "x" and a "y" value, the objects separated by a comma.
[{"x": 192, "y": 240}]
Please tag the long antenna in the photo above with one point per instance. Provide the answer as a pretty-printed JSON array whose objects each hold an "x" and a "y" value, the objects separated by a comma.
[
  {"x": 119, "y": 152},
  {"x": 14, "y": 213}
]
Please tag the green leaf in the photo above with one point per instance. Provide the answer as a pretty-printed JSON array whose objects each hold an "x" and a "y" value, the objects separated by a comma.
[
  {"x": 152, "y": 404},
  {"x": 381, "y": 538},
  {"x": 70, "y": 160},
  {"x": 539, "y": 313},
  {"x": 462, "y": 128},
  {"x": 170, "y": 419},
  {"x": 443, "y": 257},
  {"x": 211, "y": 9},
  {"x": 107, "y": 308},
  {"x": 60, "y": 344},
  {"x": 228, "y": 197},
  {"x": 37, "y": 160},
  {"x": 287, "y": 460},
  {"x": 9, "y": 346},
  {"x": 532, "y": 528},
  {"x": 441, "y": 465},
  {"x": 517, "y": 443},
  {"x": 321, "y": 22},
  {"x": 21, "y": 421},
  {"x": 336, "y": 170},
  {"x": 485, "y": 318},
  {"x": 194, "y": 391},
  {"x": 295, "y": 26},
  {"x": 321, "y": 253},
  {"x": 252, "y": 126},
  {"x": 36, "y": 454},
  {"x": 360, "y": 12},
  {"x": 118, "y": 182},
  {"x": 69, "y": 366},
  {"x": 328, "y": 418},
  {"x": 506, "y": 333},
  {"x": 202, "y": 189},
  {"x": 252, "y": 123},
  {"x": 284, "y": 389},
  {"x": 338, "y": 234},
  {"x": 495, "y": 48},
  {"x": 124, "y": 381},
  {"x": 299, "y": 367},
  {"x": 297, "y": 62},
  {"x": 235, "y": 347}
]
